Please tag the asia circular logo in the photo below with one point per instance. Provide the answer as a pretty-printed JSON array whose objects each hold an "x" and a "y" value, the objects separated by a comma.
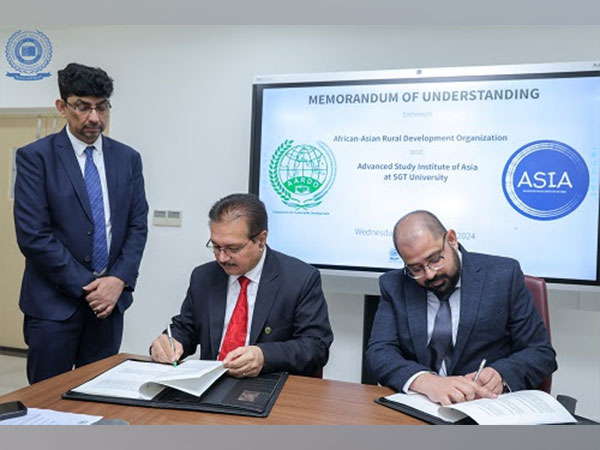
[
  {"x": 28, "y": 52},
  {"x": 301, "y": 175},
  {"x": 545, "y": 180}
]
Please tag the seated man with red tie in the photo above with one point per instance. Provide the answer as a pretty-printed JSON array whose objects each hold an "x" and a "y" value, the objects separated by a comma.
[{"x": 254, "y": 308}]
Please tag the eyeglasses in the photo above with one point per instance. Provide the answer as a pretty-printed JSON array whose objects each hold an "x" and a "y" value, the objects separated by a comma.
[
  {"x": 84, "y": 108},
  {"x": 228, "y": 249},
  {"x": 435, "y": 263}
]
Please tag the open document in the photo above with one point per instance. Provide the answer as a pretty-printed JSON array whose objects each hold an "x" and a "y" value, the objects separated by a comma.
[
  {"x": 515, "y": 408},
  {"x": 36, "y": 416},
  {"x": 144, "y": 380}
]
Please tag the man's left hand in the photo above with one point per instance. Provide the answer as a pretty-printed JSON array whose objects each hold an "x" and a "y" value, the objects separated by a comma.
[
  {"x": 489, "y": 378},
  {"x": 102, "y": 295},
  {"x": 245, "y": 361}
]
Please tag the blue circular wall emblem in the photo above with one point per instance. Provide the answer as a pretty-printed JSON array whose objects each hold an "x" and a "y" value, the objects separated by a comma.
[
  {"x": 28, "y": 52},
  {"x": 545, "y": 180},
  {"x": 394, "y": 257}
]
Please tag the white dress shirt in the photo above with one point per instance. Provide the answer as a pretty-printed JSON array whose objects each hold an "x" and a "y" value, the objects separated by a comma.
[
  {"x": 433, "y": 304},
  {"x": 79, "y": 148},
  {"x": 233, "y": 291}
]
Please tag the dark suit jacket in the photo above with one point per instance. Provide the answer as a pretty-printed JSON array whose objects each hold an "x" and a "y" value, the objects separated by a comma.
[
  {"x": 290, "y": 322},
  {"x": 54, "y": 224},
  {"x": 498, "y": 321}
]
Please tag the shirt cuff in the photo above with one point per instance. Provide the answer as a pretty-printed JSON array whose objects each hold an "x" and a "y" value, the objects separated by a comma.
[{"x": 410, "y": 380}]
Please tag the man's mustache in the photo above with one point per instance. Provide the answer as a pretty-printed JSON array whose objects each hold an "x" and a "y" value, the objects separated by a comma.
[{"x": 436, "y": 279}]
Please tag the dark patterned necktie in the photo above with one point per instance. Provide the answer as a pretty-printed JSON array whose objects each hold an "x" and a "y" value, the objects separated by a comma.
[
  {"x": 94, "y": 189},
  {"x": 440, "y": 345}
]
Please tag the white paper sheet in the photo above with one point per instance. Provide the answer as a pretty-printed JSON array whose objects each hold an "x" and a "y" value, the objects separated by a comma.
[
  {"x": 37, "y": 416},
  {"x": 516, "y": 408},
  {"x": 422, "y": 403},
  {"x": 143, "y": 380}
]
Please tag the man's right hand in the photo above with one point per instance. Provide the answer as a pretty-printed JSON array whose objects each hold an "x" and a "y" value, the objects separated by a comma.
[
  {"x": 448, "y": 390},
  {"x": 162, "y": 352}
]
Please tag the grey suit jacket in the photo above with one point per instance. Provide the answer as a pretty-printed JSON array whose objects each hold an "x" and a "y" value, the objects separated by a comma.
[
  {"x": 498, "y": 321},
  {"x": 290, "y": 321}
]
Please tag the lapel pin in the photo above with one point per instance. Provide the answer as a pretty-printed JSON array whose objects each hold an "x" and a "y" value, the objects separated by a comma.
[{"x": 268, "y": 330}]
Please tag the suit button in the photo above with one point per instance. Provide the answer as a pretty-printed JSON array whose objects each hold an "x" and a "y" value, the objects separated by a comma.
[
  {"x": 87, "y": 258},
  {"x": 90, "y": 232}
]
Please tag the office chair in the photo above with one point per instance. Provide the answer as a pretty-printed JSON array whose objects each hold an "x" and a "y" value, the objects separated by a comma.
[
  {"x": 317, "y": 374},
  {"x": 537, "y": 287}
]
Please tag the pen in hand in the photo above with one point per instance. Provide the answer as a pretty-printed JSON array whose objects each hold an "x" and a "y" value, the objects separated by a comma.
[
  {"x": 171, "y": 342},
  {"x": 481, "y": 366}
]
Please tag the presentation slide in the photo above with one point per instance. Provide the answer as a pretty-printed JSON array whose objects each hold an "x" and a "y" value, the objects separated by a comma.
[{"x": 510, "y": 162}]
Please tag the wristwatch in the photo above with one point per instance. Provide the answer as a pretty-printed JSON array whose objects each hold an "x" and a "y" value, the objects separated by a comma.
[{"x": 505, "y": 387}]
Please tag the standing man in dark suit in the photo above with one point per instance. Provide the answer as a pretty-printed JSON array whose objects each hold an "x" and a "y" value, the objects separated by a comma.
[
  {"x": 256, "y": 309},
  {"x": 81, "y": 222},
  {"x": 449, "y": 309}
]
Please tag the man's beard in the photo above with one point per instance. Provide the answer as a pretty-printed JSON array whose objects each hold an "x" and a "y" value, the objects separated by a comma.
[{"x": 449, "y": 282}]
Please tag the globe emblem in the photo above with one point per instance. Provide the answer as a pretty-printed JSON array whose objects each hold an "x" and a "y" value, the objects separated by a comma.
[
  {"x": 302, "y": 174},
  {"x": 303, "y": 169}
]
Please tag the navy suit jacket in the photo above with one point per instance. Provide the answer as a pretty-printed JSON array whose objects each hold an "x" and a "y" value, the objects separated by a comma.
[
  {"x": 54, "y": 224},
  {"x": 498, "y": 321},
  {"x": 290, "y": 321}
]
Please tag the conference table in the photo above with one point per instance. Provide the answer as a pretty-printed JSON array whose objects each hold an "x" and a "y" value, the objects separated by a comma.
[{"x": 302, "y": 401}]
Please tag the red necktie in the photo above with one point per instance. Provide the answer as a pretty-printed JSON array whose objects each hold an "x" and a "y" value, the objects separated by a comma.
[{"x": 238, "y": 323}]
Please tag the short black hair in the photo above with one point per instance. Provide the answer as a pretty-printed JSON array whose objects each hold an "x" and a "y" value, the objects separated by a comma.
[
  {"x": 241, "y": 205},
  {"x": 84, "y": 81}
]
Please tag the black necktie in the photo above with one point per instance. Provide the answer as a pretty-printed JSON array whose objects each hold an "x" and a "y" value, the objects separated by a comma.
[{"x": 440, "y": 345}]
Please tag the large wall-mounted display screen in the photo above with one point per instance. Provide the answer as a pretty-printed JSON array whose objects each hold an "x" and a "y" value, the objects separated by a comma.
[{"x": 508, "y": 156}]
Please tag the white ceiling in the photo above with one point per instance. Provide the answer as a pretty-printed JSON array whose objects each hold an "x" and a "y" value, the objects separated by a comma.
[{"x": 305, "y": 12}]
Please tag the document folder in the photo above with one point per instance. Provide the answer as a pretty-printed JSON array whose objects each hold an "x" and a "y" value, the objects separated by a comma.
[
  {"x": 418, "y": 414},
  {"x": 245, "y": 396},
  {"x": 414, "y": 412}
]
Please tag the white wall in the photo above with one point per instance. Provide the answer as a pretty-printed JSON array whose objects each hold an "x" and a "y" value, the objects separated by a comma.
[{"x": 183, "y": 99}]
